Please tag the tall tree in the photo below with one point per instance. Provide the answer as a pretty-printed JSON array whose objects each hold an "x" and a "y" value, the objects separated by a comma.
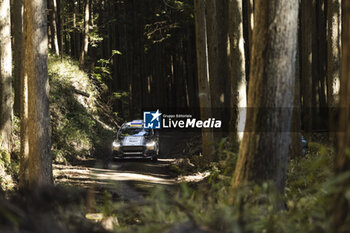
[
  {"x": 54, "y": 27},
  {"x": 62, "y": 22},
  {"x": 203, "y": 76},
  {"x": 6, "y": 107},
  {"x": 217, "y": 55},
  {"x": 333, "y": 59},
  {"x": 237, "y": 70},
  {"x": 84, "y": 51},
  {"x": 307, "y": 18},
  {"x": 36, "y": 74},
  {"x": 319, "y": 47},
  {"x": 296, "y": 146},
  {"x": 17, "y": 49},
  {"x": 342, "y": 162},
  {"x": 263, "y": 155}
]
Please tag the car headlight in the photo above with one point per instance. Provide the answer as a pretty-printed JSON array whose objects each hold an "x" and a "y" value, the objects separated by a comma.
[
  {"x": 151, "y": 145},
  {"x": 116, "y": 145}
]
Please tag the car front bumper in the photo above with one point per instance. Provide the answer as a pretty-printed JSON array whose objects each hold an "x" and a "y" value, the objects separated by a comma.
[{"x": 133, "y": 152}]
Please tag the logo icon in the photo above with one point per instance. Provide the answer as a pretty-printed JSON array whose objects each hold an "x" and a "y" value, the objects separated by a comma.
[{"x": 151, "y": 120}]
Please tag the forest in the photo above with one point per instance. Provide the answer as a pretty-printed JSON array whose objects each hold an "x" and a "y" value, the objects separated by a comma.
[{"x": 240, "y": 110}]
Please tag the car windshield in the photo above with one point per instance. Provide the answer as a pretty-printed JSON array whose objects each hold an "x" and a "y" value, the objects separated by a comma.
[{"x": 130, "y": 131}]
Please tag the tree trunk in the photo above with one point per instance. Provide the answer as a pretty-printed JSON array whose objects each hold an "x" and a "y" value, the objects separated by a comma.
[
  {"x": 203, "y": 79},
  {"x": 263, "y": 155},
  {"x": 250, "y": 9},
  {"x": 61, "y": 27},
  {"x": 24, "y": 152},
  {"x": 318, "y": 64},
  {"x": 84, "y": 51},
  {"x": 6, "y": 104},
  {"x": 307, "y": 17},
  {"x": 238, "y": 77},
  {"x": 333, "y": 61},
  {"x": 296, "y": 149},
  {"x": 54, "y": 27},
  {"x": 224, "y": 81},
  {"x": 76, "y": 33},
  {"x": 216, "y": 75},
  {"x": 17, "y": 48},
  {"x": 36, "y": 73},
  {"x": 322, "y": 63},
  {"x": 342, "y": 162}
]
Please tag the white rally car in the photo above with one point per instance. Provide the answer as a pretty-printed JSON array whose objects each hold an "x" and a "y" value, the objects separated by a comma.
[{"x": 134, "y": 141}]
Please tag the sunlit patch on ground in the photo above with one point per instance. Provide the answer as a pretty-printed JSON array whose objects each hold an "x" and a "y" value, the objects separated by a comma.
[{"x": 194, "y": 178}]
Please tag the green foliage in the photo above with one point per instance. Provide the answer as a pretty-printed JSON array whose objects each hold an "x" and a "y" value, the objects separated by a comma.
[
  {"x": 95, "y": 37},
  {"x": 225, "y": 157},
  {"x": 116, "y": 52},
  {"x": 7, "y": 171},
  {"x": 102, "y": 70},
  {"x": 9, "y": 161}
]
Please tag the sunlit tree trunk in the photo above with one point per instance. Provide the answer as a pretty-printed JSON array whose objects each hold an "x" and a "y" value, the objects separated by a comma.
[
  {"x": 24, "y": 151},
  {"x": 54, "y": 27},
  {"x": 342, "y": 162},
  {"x": 238, "y": 77},
  {"x": 36, "y": 73},
  {"x": 333, "y": 60},
  {"x": 203, "y": 79},
  {"x": 263, "y": 155},
  {"x": 84, "y": 51},
  {"x": 250, "y": 8},
  {"x": 6, "y": 103}
]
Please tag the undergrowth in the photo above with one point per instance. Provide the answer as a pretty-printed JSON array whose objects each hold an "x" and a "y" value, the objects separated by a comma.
[
  {"x": 212, "y": 205},
  {"x": 80, "y": 120},
  {"x": 78, "y": 130}
]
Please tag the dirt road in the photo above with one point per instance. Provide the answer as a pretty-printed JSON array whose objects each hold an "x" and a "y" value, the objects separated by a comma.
[{"x": 128, "y": 180}]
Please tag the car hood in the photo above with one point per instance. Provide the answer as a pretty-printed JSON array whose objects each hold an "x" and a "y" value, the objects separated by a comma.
[{"x": 133, "y": 141}]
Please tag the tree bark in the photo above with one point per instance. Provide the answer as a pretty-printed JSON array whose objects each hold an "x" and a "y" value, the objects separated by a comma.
[
  {"x": 61, "y": 20},
  {"x": 296, "y": 149},
  {"x": 342, "y": 162},
  {"x": 238, "y": 77},
  {"x": 333, "y": 61},
  {"x": 250, "y": 9},
  {"x": 6, "y": 104},
  {"x": 307, "y": 18},
  {"x": 76, "y": 34},
  {"x": 263, "y": 155},
  {"x": 84, "y": 51},
  {"x": 24, "y": 151},
  {"x": 54, "y": 27},
  {"x": 17, "y": 49},
  {"x": 217, "y": 76},
  {"x": 203, "y": 76},
  {"x": 318, "y": 64},
  {"x": 36, "y": 74}
]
